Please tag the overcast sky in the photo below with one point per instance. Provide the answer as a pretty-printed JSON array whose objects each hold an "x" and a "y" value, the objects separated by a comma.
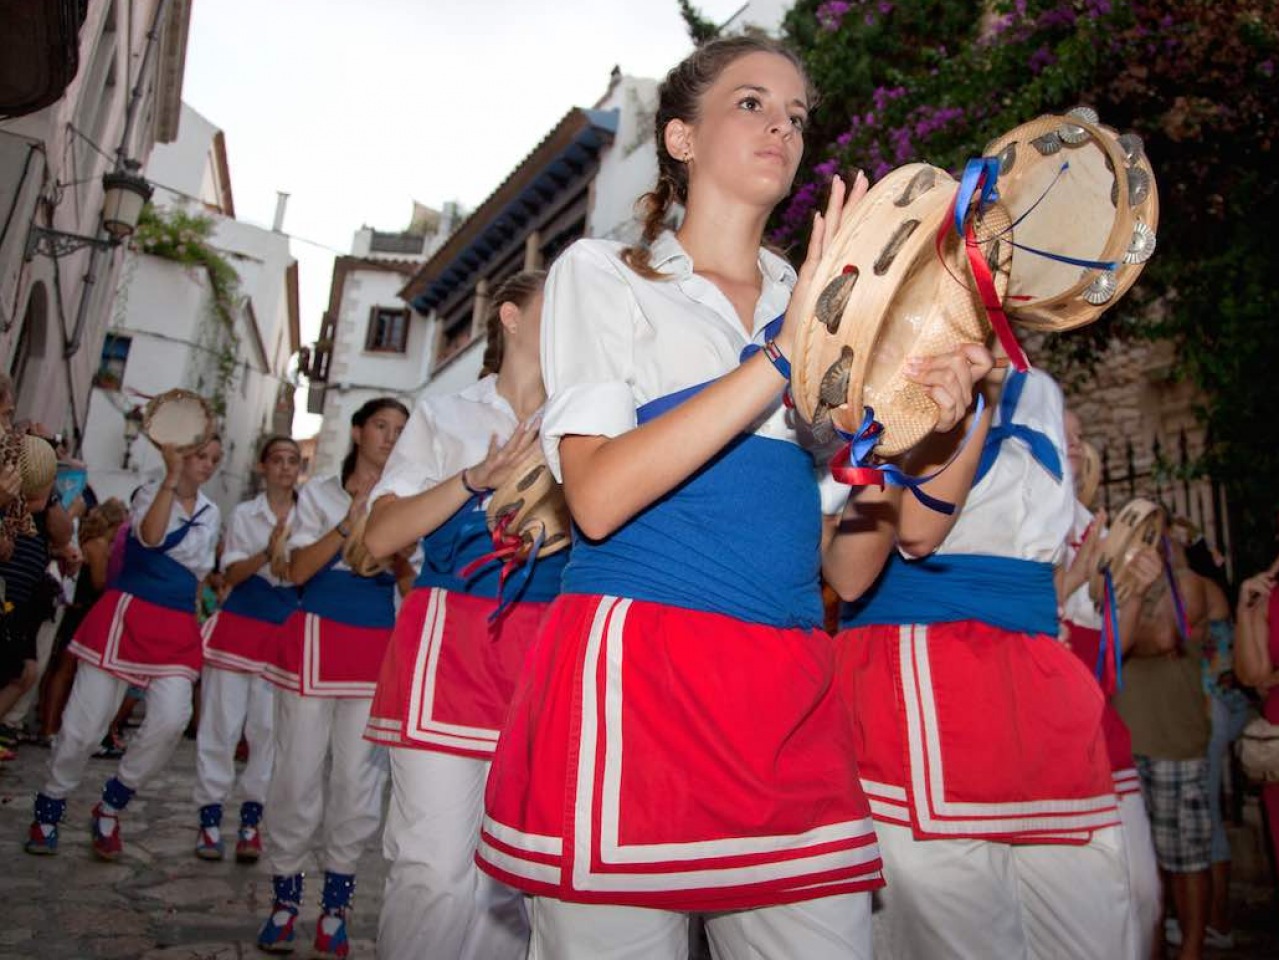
[{"x": 358, "y": 108}]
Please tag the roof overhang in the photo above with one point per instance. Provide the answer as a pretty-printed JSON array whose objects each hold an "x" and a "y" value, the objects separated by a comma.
[{"x": 552, "y": 167}]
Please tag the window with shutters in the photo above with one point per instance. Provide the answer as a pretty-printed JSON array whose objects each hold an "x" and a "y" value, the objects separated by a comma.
[{"x": 388, "y": 330}]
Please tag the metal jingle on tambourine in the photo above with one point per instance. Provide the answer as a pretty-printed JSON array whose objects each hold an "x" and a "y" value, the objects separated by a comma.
[
  {"x": 834, "y": 298},
  {"x": 1086, "y": 114},
  {"x": 1007, "y": 158},
  {"x": 1073, "y": 135},
  {"x": 1138, "y": 186},
  {"x": 1133, "y": 146},
  {"x": 1142, "y": 245},
  {"x": 1101, "y": 289},
  {"x": 1047, "y": 145}
]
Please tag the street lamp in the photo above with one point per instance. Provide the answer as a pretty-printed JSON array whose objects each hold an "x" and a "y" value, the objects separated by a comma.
[
  {"x": 132, "y": 427},
  {"x": 125, "y": 192}
]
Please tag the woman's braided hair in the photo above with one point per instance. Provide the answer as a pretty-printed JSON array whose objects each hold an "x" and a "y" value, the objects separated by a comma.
[{"x": 679, "y": 98}]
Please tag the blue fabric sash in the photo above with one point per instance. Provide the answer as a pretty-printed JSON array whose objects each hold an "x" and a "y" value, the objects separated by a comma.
[
  {"x": 1040, "y": 445},
  {"x": 465, "y": 537},
  {"x": 740, "y": 537},
  {"x": 346, "y": 597},
  {"x": 258, "y": 600},
  {"x": 150, "y": 574},
  {"x": 1012, "y": 594}
]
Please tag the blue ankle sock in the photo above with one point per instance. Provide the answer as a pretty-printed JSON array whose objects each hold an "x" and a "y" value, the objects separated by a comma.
[
  {"x": 211, "y": 815},
  {"x": 250, "y": 813},
  {"x": 338, "y": 888},
  {"x": 49, "y": 809},
  {"x": 115, "y": 794},
  {"x": 288, "y": 889}
]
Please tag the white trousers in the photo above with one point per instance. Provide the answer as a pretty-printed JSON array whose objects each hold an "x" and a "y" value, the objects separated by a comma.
[
  {"x": 978, "y": 900},
  {"x": 437, "y": 903},
  {"x": 230, "y": 704},
  {"x": 95, "y": 697},
  {"x": 830, "y": 928},
  {"x": 1143, "y": 874},
  {"x": 347, "y": 812}
]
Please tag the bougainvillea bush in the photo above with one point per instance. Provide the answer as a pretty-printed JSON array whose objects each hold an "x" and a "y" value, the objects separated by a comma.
[{"x": 935, "y": 80}]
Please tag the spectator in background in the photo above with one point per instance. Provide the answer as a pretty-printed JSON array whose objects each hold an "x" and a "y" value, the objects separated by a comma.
[
  {"x": 1228, "y": 711},
  {"x": 1163, "y": 703},
  {"x": 97, "y": 531},
  {"x": 30, "y": 592},
  {"x": 1257, "y": 665}
]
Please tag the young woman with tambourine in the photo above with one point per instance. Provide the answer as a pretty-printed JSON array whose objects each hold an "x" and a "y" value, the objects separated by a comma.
[
  {"x": 461, "y": 637},
  {"x": 142, "y": 630},
  {"x": 677, "y": 742}
]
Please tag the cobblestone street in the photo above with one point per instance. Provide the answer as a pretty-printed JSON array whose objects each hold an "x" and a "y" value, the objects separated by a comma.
[{"x": 160, "y": 903}]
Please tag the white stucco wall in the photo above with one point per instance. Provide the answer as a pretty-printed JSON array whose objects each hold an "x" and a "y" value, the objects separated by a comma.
[{"x": 357, "y": 375}]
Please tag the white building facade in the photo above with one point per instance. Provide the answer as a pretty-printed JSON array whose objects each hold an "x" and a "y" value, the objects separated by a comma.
[
  {"x": 124, "y": 98},
  {"x": 583, "y": 179},
  {"x": 165, "y": 331}
]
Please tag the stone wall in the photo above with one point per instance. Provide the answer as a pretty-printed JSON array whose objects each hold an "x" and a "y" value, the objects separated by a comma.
[{"x": 1132, "y": 400}]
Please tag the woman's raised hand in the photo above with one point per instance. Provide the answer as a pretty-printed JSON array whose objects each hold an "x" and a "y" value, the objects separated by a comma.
[
  {"x": 494, "y": 470},
  {"x": 825, "y": 226},
  {"x": 950, "y": 379}
]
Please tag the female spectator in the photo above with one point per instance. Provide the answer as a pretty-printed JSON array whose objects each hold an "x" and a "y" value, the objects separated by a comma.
[
  {"x": 1257, "y": 665},
  {"x": 97, "y": 531},
  {"x": 30, "y": 593}
]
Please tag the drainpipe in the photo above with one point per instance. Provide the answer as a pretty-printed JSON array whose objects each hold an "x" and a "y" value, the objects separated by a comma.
[
  {"x": 72, "y": 344},
  {"x": 130, "y": 115}
]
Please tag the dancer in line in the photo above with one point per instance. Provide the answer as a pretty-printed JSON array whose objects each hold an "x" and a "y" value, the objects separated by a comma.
[
  {"x": 677, "y": 743},
  {"x": 325, "y": 672},
  {"x": 448, "y": 677},
  {"x": 978, "y": 734},
  {"x": 235, "y": 699},
  {"x": 142, "y": 631},
  {"x": 1083, "y": 621}
]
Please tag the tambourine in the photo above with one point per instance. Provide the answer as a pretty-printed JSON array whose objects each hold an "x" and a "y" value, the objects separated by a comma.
[
  {"x": 179, "y": 418},
  {"x": 1089, "y": 479},
  {"x": 1140, "y": 524},
  {"x": 1083, "y": 200},
  {"x": 529, "y": 505},
  {"x": 887, "y": 289}
]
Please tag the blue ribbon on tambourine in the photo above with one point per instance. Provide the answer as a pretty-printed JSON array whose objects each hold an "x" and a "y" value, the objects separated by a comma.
[
  {"x": 852, "y": 463},
  {"x": 1110, "y": 640}
]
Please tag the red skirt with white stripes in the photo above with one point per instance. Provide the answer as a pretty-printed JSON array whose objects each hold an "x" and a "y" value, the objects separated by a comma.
[
  {"x": 319, "y": 657},
  {"x": 676, "y": 759},
  {"x": 967, "y": 730},
  {"x": 449, "y": 674},
  {"x": 241, "y": 644},
  {"x": 138, "y": 641},
  {"x": 1085, "y": 643}
]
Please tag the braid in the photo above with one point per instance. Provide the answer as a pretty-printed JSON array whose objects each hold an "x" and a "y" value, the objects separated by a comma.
[
  {"x": 494, "y": 344},
  {"x": 654, "y": 206}
]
